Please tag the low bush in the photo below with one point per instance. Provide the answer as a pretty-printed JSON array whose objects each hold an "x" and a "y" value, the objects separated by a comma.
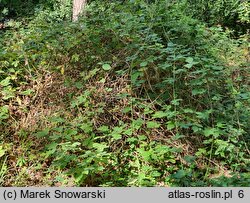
[{"x": 135, "y": 93}]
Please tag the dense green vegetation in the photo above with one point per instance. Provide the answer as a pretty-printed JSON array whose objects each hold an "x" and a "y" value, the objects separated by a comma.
[{"x": 136, "y": 93}]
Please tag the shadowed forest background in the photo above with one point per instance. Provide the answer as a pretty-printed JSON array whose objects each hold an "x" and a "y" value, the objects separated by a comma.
[{"x": 135, "y": 93}]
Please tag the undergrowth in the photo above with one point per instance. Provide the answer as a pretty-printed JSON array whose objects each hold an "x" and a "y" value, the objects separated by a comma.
[{"x": 135, "y": 93}]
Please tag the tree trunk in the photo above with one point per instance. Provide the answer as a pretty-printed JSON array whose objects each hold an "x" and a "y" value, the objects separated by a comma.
[{"x": 78, "y": 7}]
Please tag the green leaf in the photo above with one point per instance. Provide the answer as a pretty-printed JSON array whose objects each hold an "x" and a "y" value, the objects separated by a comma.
[
  {"x": 70, "y": 132},
  {"x": 142, "y": 137},
  {"x": 198, "y": 91},
  {"x": 8, "y": 92},
  {"x": 144, "y": 154},
  {"x": 208, "y": 131},
  {"x": 135, "y": 76},
  {"x": 15, "y": 63},
  {"x": 137, "y": 123},
  {"x": 189, "y": 159},
  {"x": 106, "y": 66},
  {"x": 52, "y": 146},
  {"x": 5, "y": 11},
  {"x": 211, "y": 131},
  {"x": 179, "y": 174},
  {"x": 189, "y": 60},
  {"x": 155, "y": 174},
  {"x": 144, "y": 64},
  {"x": 128, "y": 132},
  {"x": 42, "y": 133},
  {"x": 153, "y": 124},
  {"x": 4, "y": 112},
  {"x": 57, "y": 119},
  {"x": 201, "y": 152},
  {"x": 103, "y": 80},
  {"x": 5, "y": 82},
  {"x": 116, "y": 136},
  {"x": 159, "y": 114},
  {"x": 103, "y": 128},
  {"x": 189, "y": 65},
  {"x": 204, "y": 115},
  {"x": 117, "y": 129},
  {"x": 100, "y": 146},
  {"x": 165, "y": 66},
  {"x": 176, "y": 102},
  {"x": 86, "y": 127},
  {"x": 170, "y": 125},
  {"x": 177, "y": 136},
  {"x": 188, "y": 110},
  {"x": 75, "y": 58}
]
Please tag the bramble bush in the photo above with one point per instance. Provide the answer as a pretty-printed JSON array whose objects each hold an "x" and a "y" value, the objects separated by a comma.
[{"x": 135, "y": 93}]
